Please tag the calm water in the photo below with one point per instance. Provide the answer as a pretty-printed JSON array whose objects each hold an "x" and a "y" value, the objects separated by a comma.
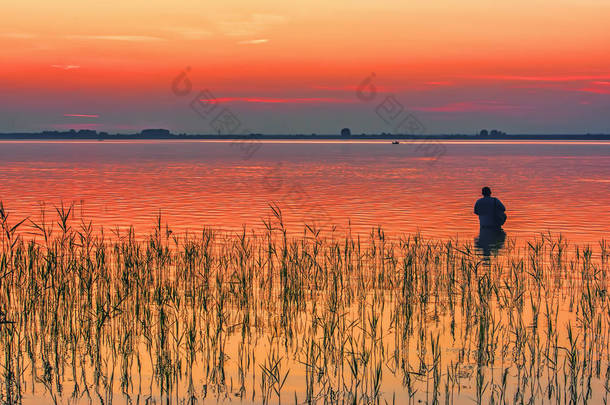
[
  {"x": 391, "y": 322},
  {"x": 546, "y": 186}
]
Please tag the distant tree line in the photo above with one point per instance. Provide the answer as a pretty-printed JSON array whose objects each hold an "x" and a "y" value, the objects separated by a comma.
[{"x": 493, "y": 132}]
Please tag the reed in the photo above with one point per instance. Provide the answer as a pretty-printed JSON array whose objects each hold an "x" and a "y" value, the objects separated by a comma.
[{"x": 310, "y": 317}]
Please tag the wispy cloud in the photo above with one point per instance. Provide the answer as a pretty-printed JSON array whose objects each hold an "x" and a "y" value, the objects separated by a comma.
[
  {"x": 253, "y": 41},
  {"x": 439, "y": 83},
  {"x": 541, "y": 78},
  {"x": 341, "y": 88},
  {"x": 266, "y": 19},
  {"x": 65, "y": 67},
  {"x": 351, "y": 88},
  {"x": 289, "y": 100},
  {"x": 82, "y": 115},
  {"x": 251, "y": 26},
  {"x": 127, "y": 38},
  {"x": 595, "y": 90},
  {"x": 586, "y": 86},
  {"x": 75, "y": 126},
  {"x": 470, "y": 106},
  {"x": 190, "y": 33},
  {"x": 18, "y": 35}
]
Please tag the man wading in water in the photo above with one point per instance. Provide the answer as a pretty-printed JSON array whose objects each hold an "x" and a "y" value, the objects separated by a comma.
[{"x": 492, "y": 216}]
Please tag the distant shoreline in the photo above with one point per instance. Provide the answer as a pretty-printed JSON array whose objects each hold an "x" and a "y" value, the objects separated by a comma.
[{"x": 89, "y": 136}]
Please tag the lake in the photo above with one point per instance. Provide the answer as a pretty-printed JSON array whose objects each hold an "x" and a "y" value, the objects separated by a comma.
[
  {"x": 207, "y": 313},
  {"x": 554, "y": 186}
]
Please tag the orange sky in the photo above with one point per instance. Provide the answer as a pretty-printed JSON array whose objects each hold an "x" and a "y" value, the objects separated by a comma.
[{"x": 117, "y": 59}]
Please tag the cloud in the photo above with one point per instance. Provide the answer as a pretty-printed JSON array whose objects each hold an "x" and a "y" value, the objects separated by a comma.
[
  {"x": 66, "y": 67},
  {"x": 251, "y": 26},
  {"x": 266, "y": 19},
  {"x": 82, "y": 115},
  {"x": 469, "y": 106},
  {"x": 76, "y": 127},
  {"x": 190, "y": 33},
  {"x": 341, "y": 88},
  {"x": 18, "y": 35},
  {"x": 439, "y": 83},
  {"x": 253, "y": 41},
  {"x": 564, "y": 78},
  {"x": 353, "y": 87},
  {"x": 595, "y": 90},
  {"x": 289, "y": 100},
  {"x": 597, "y": 87},
  {"x": 127, "y": 38}
]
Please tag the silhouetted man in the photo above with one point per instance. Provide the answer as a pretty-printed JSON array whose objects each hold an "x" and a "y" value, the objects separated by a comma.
[
  {"x": 490, "y": 211},
  {"x": 491, "y": 218}
]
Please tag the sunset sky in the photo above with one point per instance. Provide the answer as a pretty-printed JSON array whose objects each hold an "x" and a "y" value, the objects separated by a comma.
[{"x": 295, "y": 67}]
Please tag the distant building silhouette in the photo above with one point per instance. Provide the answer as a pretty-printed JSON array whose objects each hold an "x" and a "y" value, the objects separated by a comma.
[
  {"x": 155, "y": 132},
  {"x": 495, "y": 132},
  {"x": 346, "y": 132},
  {"x": 88, "y": 132}
]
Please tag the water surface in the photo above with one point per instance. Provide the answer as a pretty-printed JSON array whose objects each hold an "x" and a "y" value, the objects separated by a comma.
[
  {"x": 557, "y": 186},
  {"x": 225, "y": 318}
]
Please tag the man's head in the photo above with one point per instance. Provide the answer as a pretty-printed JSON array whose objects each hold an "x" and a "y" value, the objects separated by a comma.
[{"x": 486, "y": 191}]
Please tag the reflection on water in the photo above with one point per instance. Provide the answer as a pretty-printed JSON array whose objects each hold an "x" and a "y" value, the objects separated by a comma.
[
  {"x": 490, "y": 241},
  {"x": 554, "y": 186}
]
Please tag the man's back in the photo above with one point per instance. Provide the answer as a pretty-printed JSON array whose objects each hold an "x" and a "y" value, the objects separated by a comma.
[{"x": 486, "y": 209}]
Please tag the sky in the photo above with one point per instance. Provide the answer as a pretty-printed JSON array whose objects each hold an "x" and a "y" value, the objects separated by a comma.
[{"x": 300, "y": 67}]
